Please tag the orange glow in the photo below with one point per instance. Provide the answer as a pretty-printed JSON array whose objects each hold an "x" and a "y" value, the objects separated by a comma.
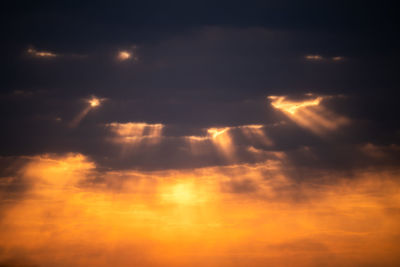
[
  {"x": 134, "y": 132},
  {"x": 36, "y": 53},
  {"x": 94, "y": 102},
  {"x": 124, "y": 55},
  {"x": 280, "y": 102},
  {"x": 219, "y": 216},
  {"x": 222, "y": 140},
  {"x": 338, "y": 58},
  {"x": 314, "y": 57},
  {"x": 309, "y": 113}
]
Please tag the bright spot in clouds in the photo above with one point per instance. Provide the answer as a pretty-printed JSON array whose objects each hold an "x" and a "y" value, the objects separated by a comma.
[
  {"x": 280, "y": 102},
  {"x": 124, "y": 55},
  {"x": 215, "y": 132},
  {"x": 136, "y": 132},
  {"x": 309, "y": 113},
  {"x": 94, "y": 102}
]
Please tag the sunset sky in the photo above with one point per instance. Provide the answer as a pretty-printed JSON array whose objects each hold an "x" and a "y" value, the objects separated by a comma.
[{"x": 199, "y": 133}]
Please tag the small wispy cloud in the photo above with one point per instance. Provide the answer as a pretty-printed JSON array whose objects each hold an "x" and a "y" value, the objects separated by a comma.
[
  {"x": 314, "y": 57},
  {"x": 320, "y": 58},
  {"x": 338, "y": 58},
  {"x": 41, "y": 54}
]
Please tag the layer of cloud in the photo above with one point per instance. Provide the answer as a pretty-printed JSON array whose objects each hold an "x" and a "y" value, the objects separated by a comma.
[{"x": 72, "y": 214}]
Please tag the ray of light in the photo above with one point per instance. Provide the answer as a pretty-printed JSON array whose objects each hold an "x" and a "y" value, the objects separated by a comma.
[
  {"x": 92, "y": 103},
  {"x": 309, "y": 114},
  {"x": 136, "y": 132}
]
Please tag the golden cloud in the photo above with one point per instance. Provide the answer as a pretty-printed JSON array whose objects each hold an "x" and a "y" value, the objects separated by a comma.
[
  {"x": 239, "y": 215},
  {"x": 136, "y": 132},
  {"x": 40, "y": 54},
  {"x": 309, "y": 113}
]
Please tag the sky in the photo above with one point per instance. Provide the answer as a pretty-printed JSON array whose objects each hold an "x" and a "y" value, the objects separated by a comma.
[{"x": 199, "y": 133}]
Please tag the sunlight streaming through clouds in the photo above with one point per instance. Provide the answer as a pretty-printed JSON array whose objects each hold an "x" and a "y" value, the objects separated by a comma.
[
  {"x": 309, "y": 113},
  {"x": 155, "y": 218},
  {"x": 135, "y": 132},
  {"x": 185, "y": 134}
]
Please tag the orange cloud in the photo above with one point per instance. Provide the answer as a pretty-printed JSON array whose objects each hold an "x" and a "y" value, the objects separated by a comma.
[
  {"x": 93, "y": 103},
  {"x": 124, "y": 55},
  {"x": 309, "y": 113},
  {"x": 223, "y": 139},
  {"x": 41, "y": 54},
  {"x": 135, "y": 132},
  {"x": 239, "y": 215},
  {"x": 313, "y": 57},
  {"x": 338, "y": 58},
  {"x": 128, "y": 54}
]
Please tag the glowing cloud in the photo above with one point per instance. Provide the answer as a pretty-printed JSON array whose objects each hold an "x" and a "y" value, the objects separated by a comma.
[
  {"x": 135, "y": 132},
  {"x": 41, "y": 54},
  {"x": 309, "y": 113},
  {"x": 280, "y": 102},
  {"x": 338, "y": 58},
  {"x": 222, "y": 140},
  {"x": 124, "y": 55},
  {"x": 313, "y": 57},
  {"x": 219, "y": 216},
  {"x": 92, "y": 103}
]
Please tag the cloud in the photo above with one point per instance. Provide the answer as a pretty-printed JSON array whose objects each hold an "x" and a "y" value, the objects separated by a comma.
[
  {"x": 338, "y": 58},
  {"x": 129, "y": 54},
  {"x": 309, "y": 113},
  {"x": 92, "y": 103},
  {"x": 180, "y": 144},
  {"x": 320, "y": 58},
  {"x": 41, "y": 54},
  {"x": 72, "y": 208},
  {"x": 314, "y": 57},
  {"x": 124, "y": 55},
  {"x": 134, "y": 132}
]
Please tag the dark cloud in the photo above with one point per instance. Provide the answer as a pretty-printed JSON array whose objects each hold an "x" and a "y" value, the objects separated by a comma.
[{"x": 197, "y": 68}]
